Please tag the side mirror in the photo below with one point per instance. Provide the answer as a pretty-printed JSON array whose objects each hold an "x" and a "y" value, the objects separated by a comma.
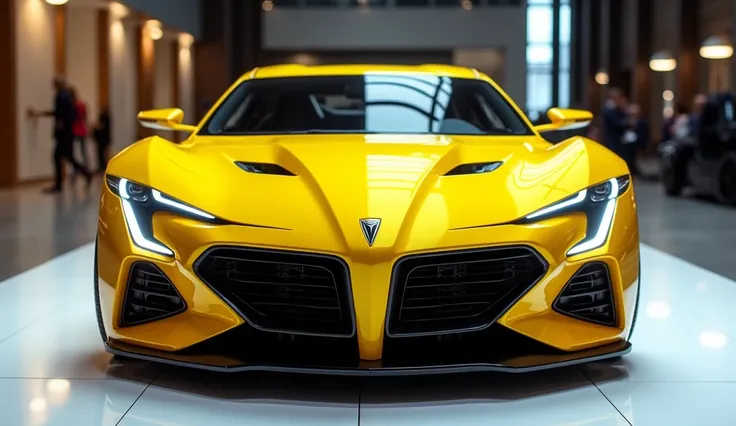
[
  {"x": 165, "y": 119},
  {"x": 565, "y": 119}
]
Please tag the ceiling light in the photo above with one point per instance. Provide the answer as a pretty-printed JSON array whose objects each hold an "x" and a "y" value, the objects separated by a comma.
[
  {"x": 716, "y": 47},
  {"x": 155, "y": 30},
  {"x": 662, "y": 61},
  {"x": 57, "y": 2},
  {"x": 118, "y": 11},
  {"x": 601, "y": 77},
  {"x": 267, "y": 5},
  {"x": 668, "y": 95},
  {"x": 186, "y": 40}
]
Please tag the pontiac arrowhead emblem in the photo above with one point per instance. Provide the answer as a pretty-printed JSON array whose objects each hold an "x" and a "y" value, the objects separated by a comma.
[{"x": 370, "y": 229}]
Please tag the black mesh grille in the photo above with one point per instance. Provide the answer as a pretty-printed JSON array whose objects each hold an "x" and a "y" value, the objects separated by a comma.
[
  {"x": 295, "y": 293},
  {"x": 150, "y": 296},
  {"x": 461, "y": 291},
  {"x": 588, "y": 295}
]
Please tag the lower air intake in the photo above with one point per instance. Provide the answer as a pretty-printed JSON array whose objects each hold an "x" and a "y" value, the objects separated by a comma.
[
  {"x": 150, "y": 296},
  {"x": 588, "y": 296},
  {"x": 282, "y": 292},
  {"x": 456, "y": 292}
]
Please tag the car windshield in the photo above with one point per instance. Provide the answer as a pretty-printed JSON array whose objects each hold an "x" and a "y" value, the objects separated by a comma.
[{"x": 369, "y": 103}]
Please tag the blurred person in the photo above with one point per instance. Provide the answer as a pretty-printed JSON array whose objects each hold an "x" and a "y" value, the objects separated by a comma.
[
  {"x": 635, "y": 140},
  {"x": 101, "y": 135},
  {"x": 593, "y": 132},
  {"x": 616, "y": 121},
  {"x": 699, "y": 102},
  {"x": 681, "y": 122},
  {"x": 80, "y": 125},
  {"x": 64, "y": 114}
]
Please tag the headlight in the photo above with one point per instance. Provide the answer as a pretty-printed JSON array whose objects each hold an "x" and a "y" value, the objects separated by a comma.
[
  {"x": 598, "y": 203},
  {"x": 140, "y": 203}
]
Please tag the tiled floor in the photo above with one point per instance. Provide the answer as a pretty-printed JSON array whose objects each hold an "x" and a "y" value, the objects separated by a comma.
[
  {"x": 36, "y": 227},
  {"x": 53, "y": 370}
]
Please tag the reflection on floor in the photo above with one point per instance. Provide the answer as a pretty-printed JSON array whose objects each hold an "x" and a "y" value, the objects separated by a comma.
[
  {"x": 54, "y": 372},
  {"x": 691, "y": 227},
  {"x": 36, "y": 227}
]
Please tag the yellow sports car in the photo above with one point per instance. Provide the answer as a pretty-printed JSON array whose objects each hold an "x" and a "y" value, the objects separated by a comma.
[{"x": 367, "y": 220}]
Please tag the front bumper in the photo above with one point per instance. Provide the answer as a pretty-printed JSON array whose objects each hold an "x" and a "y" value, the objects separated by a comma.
[
  {"x": 440, "y": 363},
  {"x": 199, "y": 336}
]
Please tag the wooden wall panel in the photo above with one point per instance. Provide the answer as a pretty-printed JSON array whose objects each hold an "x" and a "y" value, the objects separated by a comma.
[
  {"x": 146, "y": 63},
  {"x": 688, "y": 59},
  {"x": 103, "y": 59},
  {"x": 60, "y": 25},
  {"x": 715, "y": 17},
  {"x": 8, "y": 113},
  {"x": 175, "y": 89},
  {"x": 60, "y": 40}
]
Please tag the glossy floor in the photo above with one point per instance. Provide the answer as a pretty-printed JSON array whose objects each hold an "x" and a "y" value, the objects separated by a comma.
[{"x": 54, "y": 372}]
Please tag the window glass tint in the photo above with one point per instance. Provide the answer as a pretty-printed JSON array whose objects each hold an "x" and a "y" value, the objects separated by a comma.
[{"x": 371, "y": 103}]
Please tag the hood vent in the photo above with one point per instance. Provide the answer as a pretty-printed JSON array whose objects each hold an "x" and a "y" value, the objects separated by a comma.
[
  {"x": 264, "y": 168},
  {"x": 474, "y": 168}
]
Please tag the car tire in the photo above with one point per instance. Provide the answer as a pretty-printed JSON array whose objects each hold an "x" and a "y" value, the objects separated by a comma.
[
  {"x": 673, "y": 179},
  {"x": 725, "y": 185},
  {"x": 98, "y": 309}
]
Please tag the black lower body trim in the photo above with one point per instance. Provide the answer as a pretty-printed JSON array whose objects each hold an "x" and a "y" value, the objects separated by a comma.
[{"x": 520, "y": 364}]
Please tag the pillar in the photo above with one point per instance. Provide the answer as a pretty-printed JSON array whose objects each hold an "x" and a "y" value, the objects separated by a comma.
[
  {"x": 642, "y": 75},
  {"x": 688, "y": 54},
  {"x": 556, "y": 5},
  {"x": 145, "y": 67},
  {"x": 230, "y": 46},
  {"x": 103, "y": 59},
  {"x": 8, "y": 113}
]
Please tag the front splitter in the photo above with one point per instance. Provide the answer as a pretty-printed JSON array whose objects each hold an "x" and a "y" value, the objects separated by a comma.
[{"x": 225, "y": 364}]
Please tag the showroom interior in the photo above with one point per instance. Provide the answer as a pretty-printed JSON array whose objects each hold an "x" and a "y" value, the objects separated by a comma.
[{"x": 127, "y": 56}]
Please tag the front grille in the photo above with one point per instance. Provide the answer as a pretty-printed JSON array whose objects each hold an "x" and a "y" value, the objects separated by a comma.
[
  {"x": 150, "y": 296},
  {"x": 459, "y": 292},
  {"x": 588, "y": 295},
  {"x": 293, "y": 293}
]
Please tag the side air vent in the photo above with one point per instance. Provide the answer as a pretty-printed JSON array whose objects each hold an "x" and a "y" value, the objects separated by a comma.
[
  {"x": 475, "y": 168},
  {"x": 150, "y": 296},
  {"x": 264, "y": 168},
  {"x": 588, "y": 296}
]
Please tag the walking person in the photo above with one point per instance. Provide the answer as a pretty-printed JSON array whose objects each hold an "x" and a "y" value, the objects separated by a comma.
[
  {"x": 80, "y": 125},
  {"x": 101, "y": 134},
  {"x": 64, "y": 114},
  {"x": 616, "y": 122}
]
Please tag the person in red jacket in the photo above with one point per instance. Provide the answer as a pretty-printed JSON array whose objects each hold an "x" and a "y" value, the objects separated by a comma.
[{"x": 80, "y": 125}]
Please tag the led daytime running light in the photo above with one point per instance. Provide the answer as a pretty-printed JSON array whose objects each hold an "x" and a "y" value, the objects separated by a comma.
[
  {"x": 604, "y": 229},
  {"x": 553, "y": 208},
  {"x": 134, "y": 228},
  {"x": 158, "y": 196}
]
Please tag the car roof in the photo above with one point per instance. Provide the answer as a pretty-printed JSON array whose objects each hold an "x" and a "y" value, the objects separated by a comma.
[{"x": 295, "y": 70}]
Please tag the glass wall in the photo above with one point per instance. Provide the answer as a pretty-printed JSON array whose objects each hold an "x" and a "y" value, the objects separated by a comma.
[
  {"x": 465, "y": 4},
  {"x": 541, "y": 53}
]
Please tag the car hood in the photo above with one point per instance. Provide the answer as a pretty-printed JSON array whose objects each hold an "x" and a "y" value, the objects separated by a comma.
[{"x": 339, "y": 179}]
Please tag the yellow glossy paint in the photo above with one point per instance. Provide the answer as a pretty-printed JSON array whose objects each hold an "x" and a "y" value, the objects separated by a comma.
[{"x": 342, "y": 178}]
